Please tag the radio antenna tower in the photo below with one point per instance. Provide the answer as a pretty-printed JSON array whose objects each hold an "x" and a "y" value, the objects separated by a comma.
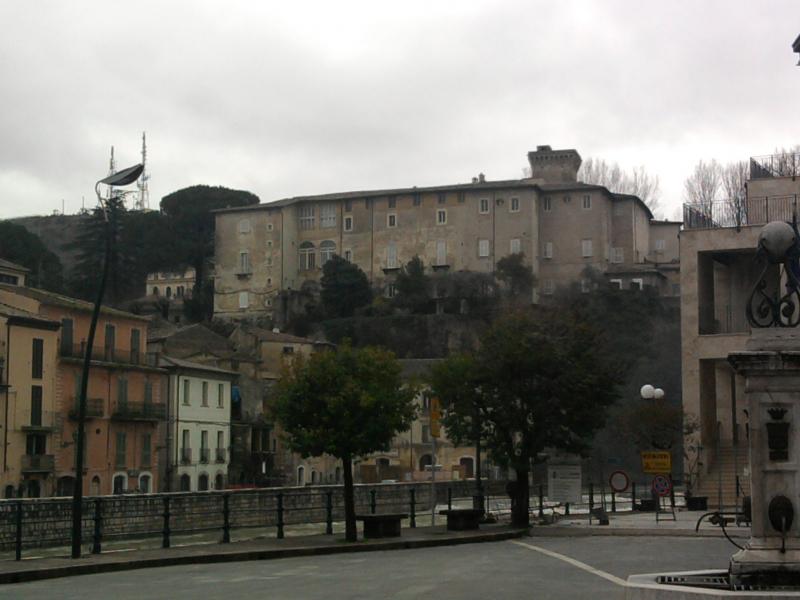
[
  {"x": 112, "y": 168},
  {"x": 143, "y": 197}
]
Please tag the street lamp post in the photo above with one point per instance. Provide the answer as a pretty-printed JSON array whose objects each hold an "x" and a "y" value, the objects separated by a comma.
[{"x": 121, "y": 178}]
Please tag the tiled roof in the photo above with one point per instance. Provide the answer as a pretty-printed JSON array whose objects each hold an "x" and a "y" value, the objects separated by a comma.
[
  {"x": 10, "y": 265},
  {"x": 168, "y": 361},
  {"x": 53, "y": 299}
]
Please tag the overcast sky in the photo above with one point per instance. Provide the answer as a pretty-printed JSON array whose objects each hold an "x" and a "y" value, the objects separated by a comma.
[{"x": 292, "y": 98}]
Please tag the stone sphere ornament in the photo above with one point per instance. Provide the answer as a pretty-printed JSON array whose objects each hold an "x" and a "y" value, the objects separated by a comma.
[{"x": 776, "y": 238}]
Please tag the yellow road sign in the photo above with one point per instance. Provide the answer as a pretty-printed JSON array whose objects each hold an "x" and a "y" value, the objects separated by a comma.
[{"x": 656, "y": 461}]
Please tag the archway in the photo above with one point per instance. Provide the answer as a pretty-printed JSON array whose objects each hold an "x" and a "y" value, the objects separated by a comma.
[
  {"x": 202, "y": 482},
  {"x": 185, "y": 483},
  {"x": 425, "y": 461},
  {"x": 301, "y": 476}
]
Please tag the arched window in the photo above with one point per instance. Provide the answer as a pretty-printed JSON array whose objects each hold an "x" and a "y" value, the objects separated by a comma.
[
  {"x": 9, "y": 493},
  {"x": 313, "y": 477},
  {"x": 301, "y": 476},
  {"x": 120, "y": 483},
  {"x": 185, "y": 483},
  {"x": 467, "y": 463},
  {"x": 65, "y": 486},
  {"x": 202, "y": 482},
  {"x": 338, "y": 474},
  {"x": 169, "y": 292},
  {"x": 326, "y": 251},
  {"x": 219, "y": 481},
  {"x": 144, "y": 483},
  {"x": 307, "y": 256},
  {"x": 94, "y": 488},
  {"x": 34, "y": 488},
  {"x": 179, "y": 291},
  {"x": 425, "y": 461},
  {"x": 155, "y": 291}
]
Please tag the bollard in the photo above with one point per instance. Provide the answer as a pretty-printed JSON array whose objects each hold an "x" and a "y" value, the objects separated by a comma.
[
  {"x": 566, "y": 509},
  {"x": 18, "y": 542},
  {"x": 672, "y": 496},
  {"x": 591, "y": 496},
  {"x": 541, "y": 501},
  {"x": 413, "y": 511},
  {"x": 226, "y": 519},
  {"x": 98, "y": 526},
  {"x": 165, "y": 532},
  {"x": 449, "y": 498},
  {"x": 280, "y": 515},
  {"x": 373, "y": 504},
  {"x": 328, "y": 513},
  {"x": 613, "y": 501},
  {"x": 633, "y": 496}
]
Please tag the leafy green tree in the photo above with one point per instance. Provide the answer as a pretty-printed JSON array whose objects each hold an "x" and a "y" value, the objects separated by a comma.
[
  {"x": 189, "y": 211},
  {"x": 413, "y": 286},
  {"x": 517, "y": 276},
  {"x": 543, "y": 382},
  {"x": 345, "y": 288},
  {"x": 26, "y": 249},
  {"x": 346, "y": 403}
]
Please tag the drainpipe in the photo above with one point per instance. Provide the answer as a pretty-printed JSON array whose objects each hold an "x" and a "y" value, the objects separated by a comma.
[
  {"x": 5, "y": 418},
  {"x": 168, "y": 441}
]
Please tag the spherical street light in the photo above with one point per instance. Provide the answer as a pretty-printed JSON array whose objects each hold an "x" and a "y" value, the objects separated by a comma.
[{"x": 648, "y": 392}]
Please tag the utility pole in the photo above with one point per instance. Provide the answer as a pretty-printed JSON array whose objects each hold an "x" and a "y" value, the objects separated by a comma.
[{"x": 435, "y": 416}]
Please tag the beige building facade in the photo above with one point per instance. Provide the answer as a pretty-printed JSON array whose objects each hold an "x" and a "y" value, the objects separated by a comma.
[
  {"x": 717, "y": 275},
  {"x": 264, "y": 253}
]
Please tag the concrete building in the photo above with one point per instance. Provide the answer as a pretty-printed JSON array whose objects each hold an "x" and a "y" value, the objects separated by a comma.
[
  {"x": 28, "y": 375},
  {"x": 198, "y": 425},
  {"x": 718, "y": 272},
  {"x": 170, "y": 284},
  {"x": 265, "y": 254},
  {"x": 124, "y": 398},
  {"x": 12, "y": 273}
]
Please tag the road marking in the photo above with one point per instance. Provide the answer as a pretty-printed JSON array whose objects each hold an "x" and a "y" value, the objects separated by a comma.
[{"x": 574, "y": 563}]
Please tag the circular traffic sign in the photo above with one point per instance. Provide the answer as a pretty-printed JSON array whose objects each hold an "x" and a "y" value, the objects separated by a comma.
[
  {"x": 662, "y": 485},
  {"x": 619, "y": 481}
]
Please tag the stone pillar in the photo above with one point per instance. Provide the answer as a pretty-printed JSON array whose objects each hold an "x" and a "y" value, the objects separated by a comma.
[{"x": 771, "y": 366}]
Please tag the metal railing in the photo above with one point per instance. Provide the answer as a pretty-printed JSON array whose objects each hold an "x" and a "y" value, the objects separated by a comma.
[
  {"x": 38, "y": 463},
  {"x": 139, "y": 411},
  {"x": 783, "y": 164},
  {"x": 114, "y": 355},
  {"x": 220, "y": 455},
  {"x": 204, "y": 455},
  {"x": 756, "y": 210},
  {"x": 94, "y": 408},
  {"x": 31, "y": 420},
  {"x": 186, "y": 456}
]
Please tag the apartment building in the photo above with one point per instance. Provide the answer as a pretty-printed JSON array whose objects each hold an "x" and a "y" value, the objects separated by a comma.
[
  {"x": 12, "y": 273},
  {"x": 199, "y": 425},
  {"x": 718, "y": 271},
  {"x": 124, "y": 397},
  {"x": 28, "y": 351},
  {"x": 265, "y": 253}
]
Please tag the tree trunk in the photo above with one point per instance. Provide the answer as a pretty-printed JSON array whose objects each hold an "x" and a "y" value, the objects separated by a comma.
[
  {"x": 519, "y": 514},
  {"x": 349, "y": 500}
]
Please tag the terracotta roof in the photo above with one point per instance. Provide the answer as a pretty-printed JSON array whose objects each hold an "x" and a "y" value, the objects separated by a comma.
[
  {"x": 169, "y": 361},
  {"x": 197, "y": 339},
  {"x": 53, "y": 299},
  {"x": 265, "y": 335},
  {"x": 17, "y": 314}
]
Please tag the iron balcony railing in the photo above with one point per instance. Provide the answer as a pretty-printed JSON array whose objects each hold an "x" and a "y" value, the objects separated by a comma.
[
  {"x": 186, "y": 456},
  {"x": 33, "y": 420},
  {"x": 783, "y": 164},
  {"x": 220, "y": 454},
  {"x": 94, "y": 408},
  {"x": 739, "y": 213},
  {"x": 114, "y": 355},
  {"x": 204, "y": 454},
  {"x": 139, "y": 411},
  {"x": 38, "y": 463}
]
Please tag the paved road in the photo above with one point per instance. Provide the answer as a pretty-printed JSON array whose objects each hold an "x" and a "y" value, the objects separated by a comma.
[{"x": 545, "y": 568}]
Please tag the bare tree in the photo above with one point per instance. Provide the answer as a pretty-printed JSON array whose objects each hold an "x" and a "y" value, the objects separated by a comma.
[
  {"x": 702, "y": 187},
  {"x": 637, "y": 181},
  {"x": 734, "y": 176}
]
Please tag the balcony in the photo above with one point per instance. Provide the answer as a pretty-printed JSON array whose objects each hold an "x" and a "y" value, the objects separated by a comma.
[
  {"x": 204, "y": 454},
  {"x": 242, "y": 272},
  {"x": 94, "y": 408},
  {"x": 38, "y": 463},
  {"x": 139, "y": 411},
  {"x": 112, "y": 355},
  {"x": 757, "y": 210},
  {"x": 220, "y": 455},
  {"x": 186, "y": 456},
  {"x": 784, "y": 164}
]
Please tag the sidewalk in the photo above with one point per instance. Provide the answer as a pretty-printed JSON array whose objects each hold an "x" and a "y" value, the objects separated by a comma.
[
  {"x": 261, "y": 549},
  {"x": 640, "y": 524}
]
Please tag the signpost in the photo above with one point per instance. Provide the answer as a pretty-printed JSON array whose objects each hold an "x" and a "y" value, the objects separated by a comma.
[
  {"x": 435, "y": 417},
  {"x": 662, "y": 487}
]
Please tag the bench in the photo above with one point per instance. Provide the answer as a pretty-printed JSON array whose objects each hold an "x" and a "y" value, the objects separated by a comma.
[
  {"x": 381, "y": 526},
  {"x": 462, "y": 519}
]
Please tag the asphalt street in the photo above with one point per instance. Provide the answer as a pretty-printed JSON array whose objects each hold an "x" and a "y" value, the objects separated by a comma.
[{"x": 544, "y": 568}]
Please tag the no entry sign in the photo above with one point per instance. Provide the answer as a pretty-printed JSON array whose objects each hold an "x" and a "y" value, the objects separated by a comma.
[
  {"x": 662, "y": 485},
  {"x": 619, "y": 481}
]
